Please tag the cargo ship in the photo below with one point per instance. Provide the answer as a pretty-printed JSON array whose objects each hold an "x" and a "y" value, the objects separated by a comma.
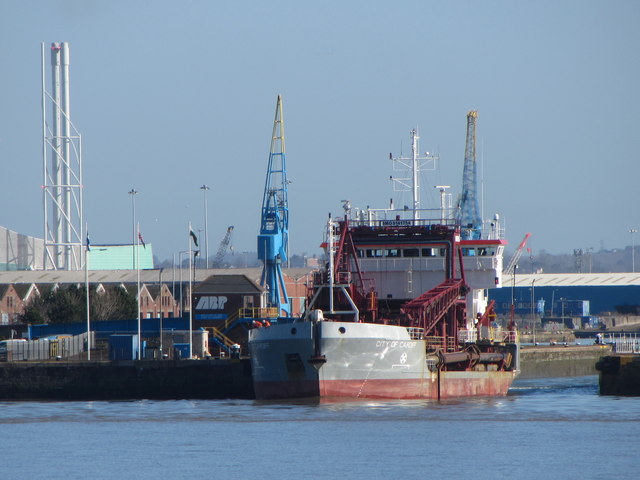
[{"x": 387, "y": 315}]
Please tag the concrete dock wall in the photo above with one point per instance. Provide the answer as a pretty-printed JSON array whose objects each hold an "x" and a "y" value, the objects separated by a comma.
[
  {"x": 560, "y": 361},
  {"x": 211, "y": 379},
  {"x": 620, "y": 375},
  {"x": 127, "y": 380}
]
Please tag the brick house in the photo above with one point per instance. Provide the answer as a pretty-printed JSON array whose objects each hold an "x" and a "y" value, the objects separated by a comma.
[{"x": 11, "y": 304}]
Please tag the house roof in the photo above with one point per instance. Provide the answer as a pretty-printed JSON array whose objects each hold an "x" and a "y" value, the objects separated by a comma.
[
  {"x": 22, "y": 290},
  {"x": 148, "y": 277},
  {"x": 228, "y": 284}
]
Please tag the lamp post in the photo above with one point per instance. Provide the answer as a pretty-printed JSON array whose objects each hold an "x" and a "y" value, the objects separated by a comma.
[
  {"x": 513, "y": 292},
  {"x": 633, "y": 250},
  {"x": 160, "y": 284},
  {"x": 86, "y": 282},
  {"x": 533, "y": 315},
  {"x": 133, "y": 192},
  {"x": 205, "y": 189},
  {"x": 183, "y": 252}
]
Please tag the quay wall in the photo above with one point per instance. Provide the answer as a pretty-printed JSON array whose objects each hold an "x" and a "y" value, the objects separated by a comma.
[
  {"x": 228, "y": 378},
  {"x": 215, "y": 378},
  {"x": 560, "y": 361},
  {"x": 620, "y": 374}
]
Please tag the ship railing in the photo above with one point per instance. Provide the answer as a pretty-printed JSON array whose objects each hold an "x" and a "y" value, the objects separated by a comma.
[
  {"x": 259, "y": 312},
  {"x": 435, "y": 343},
  {"x": 343, "y": 278},
  {"x": 467, "y": 335},
  {"x": 397, "y": 222},
  {"x": 625, "y": 343},
  {"x": 415, "y": 333},
  {"x": 486, "y": 333},
  {"x": 510, "y": 336}
]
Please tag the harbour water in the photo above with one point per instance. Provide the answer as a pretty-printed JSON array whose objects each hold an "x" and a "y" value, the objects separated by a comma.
[{"x": 545, "y": 428}]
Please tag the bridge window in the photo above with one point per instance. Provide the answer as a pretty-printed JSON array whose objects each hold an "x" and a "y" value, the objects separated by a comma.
[
  {"x": 411, "y": 252},
  {"x": 393, "y": 252},
  {"x": 428, "y": 252}
]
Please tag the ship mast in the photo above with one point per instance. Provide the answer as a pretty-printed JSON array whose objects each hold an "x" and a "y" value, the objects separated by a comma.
[{"x": 415, "y": 164}]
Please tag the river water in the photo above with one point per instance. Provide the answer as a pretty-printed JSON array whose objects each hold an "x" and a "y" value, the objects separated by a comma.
[{"x": 545, "y": 428}]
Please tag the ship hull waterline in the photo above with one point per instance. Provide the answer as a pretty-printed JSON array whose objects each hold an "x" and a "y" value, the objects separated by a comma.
[{"x": 352, "y": 360}]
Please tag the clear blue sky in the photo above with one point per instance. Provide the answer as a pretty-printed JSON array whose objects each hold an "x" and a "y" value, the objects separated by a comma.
[{"x": 171, "y": 95}]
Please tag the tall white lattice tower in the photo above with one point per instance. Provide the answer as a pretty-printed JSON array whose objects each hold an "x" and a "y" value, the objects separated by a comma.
[{"x": 62, "y": 168}]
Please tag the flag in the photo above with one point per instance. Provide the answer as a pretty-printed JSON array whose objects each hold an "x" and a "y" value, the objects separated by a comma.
[
  {"x": 141, "y": 240},
  {"x": 88, "y": 243},
  {"x": 193, "y": 236}
]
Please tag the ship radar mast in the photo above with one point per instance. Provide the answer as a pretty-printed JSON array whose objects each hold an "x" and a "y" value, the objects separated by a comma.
[{"x": 415, "y": 164}]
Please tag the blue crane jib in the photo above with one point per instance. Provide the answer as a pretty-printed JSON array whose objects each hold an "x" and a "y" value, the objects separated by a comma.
[
  {"x": 469, "y": 209},
  {"x": 273, "y": 240}
]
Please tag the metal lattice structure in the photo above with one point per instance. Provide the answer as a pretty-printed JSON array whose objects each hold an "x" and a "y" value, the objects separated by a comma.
[
  {"x": 414, "y": 165},
  {"x": 470, "y": 219},
  {"x": 222, "y": 249},
  {"x": 62, "y": 169},
  {"x": 273, "y": 240}
]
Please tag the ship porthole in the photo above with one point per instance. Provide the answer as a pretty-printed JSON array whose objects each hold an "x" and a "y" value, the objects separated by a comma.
[
  {"x": 293, "y": 331},
  {"x": 342, "y": 330}
]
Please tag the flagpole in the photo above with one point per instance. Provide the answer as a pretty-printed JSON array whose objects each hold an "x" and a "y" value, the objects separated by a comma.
[
  {"x": 137, "y": 257},
  {"x": 86, "y": 282},
  {"x": 190, "y": 299}
]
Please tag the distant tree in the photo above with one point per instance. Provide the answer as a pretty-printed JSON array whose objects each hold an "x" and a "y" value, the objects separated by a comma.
[
  {"x": 68, "y": 304},
  {"x": 115, "y": 303},
  {"x": 34, "y": 312}
]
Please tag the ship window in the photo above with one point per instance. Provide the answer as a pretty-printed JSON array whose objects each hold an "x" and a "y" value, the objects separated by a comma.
[
  {"x": 428, "y": 252},
  {"x": 443, "y": 252},
  {"x": 393, "y": 252},
  {"x": 468, "y": 252},
  {"x": 378, "y": 253},
  {"x": 360, "y": 253},
  {"x": 369, "y": 253},
  {"x": 410, "y": 252}
]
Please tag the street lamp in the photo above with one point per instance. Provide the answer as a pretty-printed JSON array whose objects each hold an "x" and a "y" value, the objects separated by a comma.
[
  {"x": 533, "y": 315},
  {"x": 133, "y": 192},
  {"x": 205, "y": 188},
  {"x": 180, "y": 254},
  {"x": 160, "y": 284},
  {"x": 633, "y": 251},
  {"x": 513, "y": 291}
]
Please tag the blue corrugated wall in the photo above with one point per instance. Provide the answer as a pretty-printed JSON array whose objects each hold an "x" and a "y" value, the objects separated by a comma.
[{"x": 601, "y": 298}]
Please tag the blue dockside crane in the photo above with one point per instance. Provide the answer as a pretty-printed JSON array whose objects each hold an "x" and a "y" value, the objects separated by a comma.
[
  {"x": 468, "y": 205},
  {"x": 273, "y": 240}
]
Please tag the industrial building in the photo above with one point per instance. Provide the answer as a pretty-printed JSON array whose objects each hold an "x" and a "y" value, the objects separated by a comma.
[{"x": 568, "y": 294}]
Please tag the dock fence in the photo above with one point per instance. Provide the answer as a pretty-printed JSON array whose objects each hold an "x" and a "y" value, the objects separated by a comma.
[
  {"x": 625, "y": 343},
  {"x": 43, "y": 349}
]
